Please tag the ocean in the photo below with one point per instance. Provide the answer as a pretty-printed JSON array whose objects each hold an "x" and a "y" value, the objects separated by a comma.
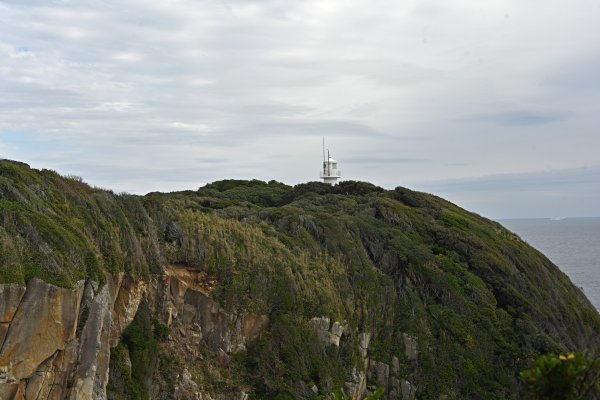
[{"x": 573, "y": 244}]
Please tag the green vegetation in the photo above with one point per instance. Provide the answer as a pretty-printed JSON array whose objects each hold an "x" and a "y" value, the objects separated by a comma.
[
  {"x": 290, "y": 355},
  {"x": 61, "y": 230},
  {"x": 121, "y": 385},
  {"x": 133, "y": 361},
  {"x": 572, "y": 376},
  {"x": 339, "y": 395},
  {"x": 481, "y": 303}
]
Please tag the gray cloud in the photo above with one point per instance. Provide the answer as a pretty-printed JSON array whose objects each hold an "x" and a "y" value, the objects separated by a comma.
[
  {"x": 522, "y": 117},
  {"x": 534, "y": 181},
  {"x": 580, "y": 73},
  {"x": 379, "y": 160},
  {"x": 143, "y": 96}
]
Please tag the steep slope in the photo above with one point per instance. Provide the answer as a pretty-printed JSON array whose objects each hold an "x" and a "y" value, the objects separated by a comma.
[{"x": 247, "y": 289}]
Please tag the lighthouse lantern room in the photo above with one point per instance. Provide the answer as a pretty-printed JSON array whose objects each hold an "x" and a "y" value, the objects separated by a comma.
[{"x": 330, "y": 173}]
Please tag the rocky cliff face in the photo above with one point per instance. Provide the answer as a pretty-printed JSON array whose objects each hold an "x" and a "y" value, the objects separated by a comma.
[
  {"x": 254, "y": 290},
  {"x": 368, "y": 374},
  {"x": 56, "y": 342}
]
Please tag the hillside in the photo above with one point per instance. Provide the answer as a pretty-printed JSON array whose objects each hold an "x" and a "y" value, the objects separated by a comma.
[{"x": 248, "y": 289}]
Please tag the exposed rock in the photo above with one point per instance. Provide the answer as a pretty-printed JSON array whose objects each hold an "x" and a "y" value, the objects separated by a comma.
[
  {"x": 10, "y": 297},
  {"x": 364, "y": 373},
  {"x": 221, "y": 330},
  {"x": 395, "y": 391},
  {"x": 408, "y": 390},
  {"x": 63, "y": 367},
  {"x": 8, "y": 390},
  {"x": 383, "y": 373},
  {"x": 224, "y": 358},
  {"x": 91, "y": 377},
  {"x": 129, "y": 296},
  {"x": 410, "y": 347},
  {"x": 39, "y": 385},
  {"x": 45, "y": 320},
  {"x": 321, "y": 326},
  {"x": 12, "y": 391},
  {"x": 379, "y": 373},
  {"x": 328, "y": 335},
  {"x": 3, "y": 331},
  {"x": 337, "y": 330},
  {"x": 357, "y": 386},
  {"x": 252, "y": 326},
  {"x": 190, "y": 278},
  {"x": 186, "y": 388},
  {"x": 57, "y": 344},
  {"x": 57, "y": 341},
  {"x": 395, "y": 365},
  {"x": 364, "y": 339}
]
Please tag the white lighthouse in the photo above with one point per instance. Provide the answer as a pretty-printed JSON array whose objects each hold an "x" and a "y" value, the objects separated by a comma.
[{"x": 330, "y": 174}]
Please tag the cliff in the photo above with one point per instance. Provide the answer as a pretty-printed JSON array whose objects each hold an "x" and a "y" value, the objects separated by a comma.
[{"x": 254, "y": 290}]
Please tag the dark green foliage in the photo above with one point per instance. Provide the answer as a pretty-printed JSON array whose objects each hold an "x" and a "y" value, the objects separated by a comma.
[
  {"x": 320, "y": 188},
  {"x": 357, "y": 188},
  {"x": 167, "y": 370},
  {"x": 121, "y": 386},
  {"x": 61, "y": 230},
  {"x": 572, "y": 376},
  {"x": 302, "y": 189},
  {"x": 232, "y": 191},
  {"x": 140, "y": 343},
  {"x": 378, "y": 394},
  {"x": 160, "y": 331},
  {"x": 480, "y": 302},
  {"x": 290, "y": 355},
  {"x": 409, "y": 262}
]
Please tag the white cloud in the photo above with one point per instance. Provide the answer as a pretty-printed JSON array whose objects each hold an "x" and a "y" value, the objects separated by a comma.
[
  {"x": 475, "y": 88},
  {"x": 200, "y": 128},
  {"x": 129, "y": 57}
]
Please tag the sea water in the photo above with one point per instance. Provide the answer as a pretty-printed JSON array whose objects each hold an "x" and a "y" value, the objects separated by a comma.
[{"x": 573, "y": 244}]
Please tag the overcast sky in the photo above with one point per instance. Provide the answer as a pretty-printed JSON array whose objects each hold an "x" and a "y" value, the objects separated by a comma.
[{"x": 492, "y": 104}]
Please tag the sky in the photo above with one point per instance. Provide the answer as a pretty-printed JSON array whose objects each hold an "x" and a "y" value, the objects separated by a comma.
[{"x": 494, "y": 105}]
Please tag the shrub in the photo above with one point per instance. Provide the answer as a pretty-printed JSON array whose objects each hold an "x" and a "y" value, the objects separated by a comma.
[{"x": 571, "y": 376}]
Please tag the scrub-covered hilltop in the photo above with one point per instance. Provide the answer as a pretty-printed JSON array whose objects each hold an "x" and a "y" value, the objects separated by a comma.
[{"x": 247, "y": 288}]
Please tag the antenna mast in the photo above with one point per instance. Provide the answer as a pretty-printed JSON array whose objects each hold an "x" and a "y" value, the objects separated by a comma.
[{"x": 323, "y": 148}]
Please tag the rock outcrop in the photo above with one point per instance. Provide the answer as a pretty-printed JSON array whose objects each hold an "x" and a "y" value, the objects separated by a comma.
[
  {"x": 57, "y": 342},
  {"x": 44, "y": 322},
  {"x": 328, "y": 333},
  {"x": 369, "y": 374},
  {"x": 220, "y": 330}
]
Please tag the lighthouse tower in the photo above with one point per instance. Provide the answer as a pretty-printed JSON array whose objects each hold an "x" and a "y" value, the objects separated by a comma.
[{"x": 330, "y": 174}]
